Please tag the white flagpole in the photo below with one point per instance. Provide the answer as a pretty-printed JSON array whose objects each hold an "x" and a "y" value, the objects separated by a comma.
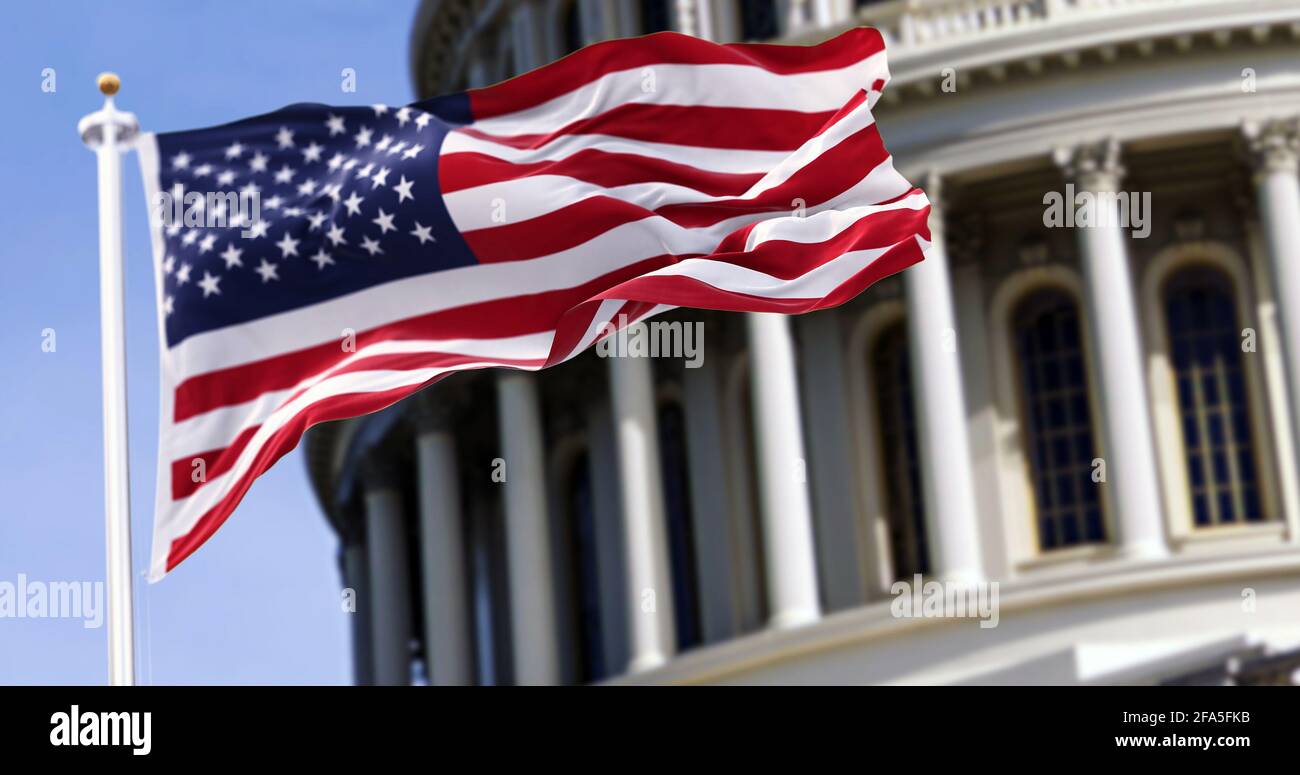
[{"x": 109, "y": 132}]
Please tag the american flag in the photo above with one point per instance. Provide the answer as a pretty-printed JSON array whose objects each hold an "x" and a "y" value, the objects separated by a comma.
[{"x": 501, "y": 227}]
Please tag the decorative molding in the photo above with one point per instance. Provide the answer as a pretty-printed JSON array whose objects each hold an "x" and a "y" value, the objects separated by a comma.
[
  {"x": 1273, "y": 146},
  {"x": 1094, "y": 166}
]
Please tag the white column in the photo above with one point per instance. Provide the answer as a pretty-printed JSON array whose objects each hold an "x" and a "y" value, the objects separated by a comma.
[
  {"x": 950, "y": 515},
  {"x": 1275, "y": 150},
  {"x": 447, "y": 625},
  {"x": 782, "y": 473},
  {"x": 651, "y": 635},
  {"x": 1112, "y": 313},
  {"x": 528, "y": 539},
  {"x": 390, "y": 576},
  {"x": 353, "y": 564}
]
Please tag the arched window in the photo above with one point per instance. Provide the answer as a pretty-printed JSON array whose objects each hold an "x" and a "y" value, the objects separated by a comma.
[
  {"x": 580, "y": 524},
  {"x": 900, "y": 455},
  {"x": 758, "y": 19},
  {"x": 656, "y": 16},
  {"x": 1057, "y": 420},
  {"x": 681, "y": 537},
  {"x": 1204, "y": 338}
]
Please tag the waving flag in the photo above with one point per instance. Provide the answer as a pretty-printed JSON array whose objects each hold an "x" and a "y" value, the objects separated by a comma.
[{"x": 390, "y": 247}]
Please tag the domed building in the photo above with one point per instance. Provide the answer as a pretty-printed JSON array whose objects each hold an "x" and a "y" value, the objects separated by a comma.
[{"x": 1083, "y": 408}]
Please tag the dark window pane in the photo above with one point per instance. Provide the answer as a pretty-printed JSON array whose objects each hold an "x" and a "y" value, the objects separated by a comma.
[
  {"x": 892, "y": 379},
  {"x": 1201, "y": 317},
  {"x": 1058, "y": 420}
]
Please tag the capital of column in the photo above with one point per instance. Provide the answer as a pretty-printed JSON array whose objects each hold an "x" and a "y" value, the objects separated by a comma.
[
  {"x": 1094, "y": 166},
  {"x": 1273, "y": 146}
]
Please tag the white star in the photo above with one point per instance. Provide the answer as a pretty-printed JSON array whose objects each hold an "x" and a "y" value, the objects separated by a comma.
[
  {"x": 380, "y": 109},
  {"x": 284, "y": 175},
  {"x": 306, "y": 187},
  {"x": 288, "y": 246},
  {"x": 284, "y": 138},
  {"x": 235, "y": 150},
  {"x": 189, "y": 238},
  {"x": 335, "y": 125},
  {"x": 384, "y": 222},
  {"x": 397, "y": 148},
  {"x": 226, "y": 178},
  {"x": 316, "y": 219},
  {"x": 333, "y": 191},
  {"x": 258, "y": 229},
  {"x": 183, "y": 274},
  {"x": 273, "y": 202},
  {"x": 267, "y": 270},
  {"x": 364, "y": 172},
  {"x": 248, "y": 190},
  {"x": 403, "y": 189},
  {"x": 231, "y": 256},
  {"x": 423, "y": 233},
  {"x": 169, "y": 264},
  {"x": 292, "y": 212},
  {"x": 180, "y": 161},
  {"x": 206, "y": 243},
  {"x": 312, "y": 152},
  {"x": 371, "y": 246},
  {"x": 203, "y": 170},
  {"x": 258, "y": 162},
  {"x": 353, "y": 203},
  {"x": 403, "y": 115},
  {"x": 169, "y": 306},
  {"x": 322, "y": 258},
  {"x": 413, "y": 151},
  {"x": 335, "y": 235},
  {"x": 422, "y": 120},
  {"x": 382, "y": 145},
  {"x": 363, "y": 137},
  {"x": 209, "y": 285},
  {"x": 379, "y": 178},
  {"x": 336, "y": 161}
]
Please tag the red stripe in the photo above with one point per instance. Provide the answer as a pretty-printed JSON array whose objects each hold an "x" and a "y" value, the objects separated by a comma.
[
  {"x": 825, "y": 177},
  {"x": 593, "y": 62},
  {"x": 703, "y": 126},
  {"x": 279, "y": 444},
  {"x": 459, "y": 171},
  {"x": 684, "y": 291},
  {"x": 219, "y": 461},
  {"x": 497, "y": 318}
]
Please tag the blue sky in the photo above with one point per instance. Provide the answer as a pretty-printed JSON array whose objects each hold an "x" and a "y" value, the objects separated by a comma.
[{"x": 260, "y": 602}]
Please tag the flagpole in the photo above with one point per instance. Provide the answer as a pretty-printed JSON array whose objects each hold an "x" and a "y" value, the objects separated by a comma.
[{"x": 108, "y": 132}]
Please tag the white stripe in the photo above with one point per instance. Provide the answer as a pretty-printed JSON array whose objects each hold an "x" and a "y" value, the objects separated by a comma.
[
  {"x": 177, "y": 518},
  {"x": 536, "y": 195},
  {"x": 738, "y": 162},
  {"x": 219, "y": 427},
  {"x": 722, "y": 86}
]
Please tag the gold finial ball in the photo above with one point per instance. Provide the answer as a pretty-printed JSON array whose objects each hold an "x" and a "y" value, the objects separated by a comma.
[{"x": 109, "y": 83}]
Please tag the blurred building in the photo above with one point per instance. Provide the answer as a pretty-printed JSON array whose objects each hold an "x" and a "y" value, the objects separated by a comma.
[{"x": 744, "y": 521}]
